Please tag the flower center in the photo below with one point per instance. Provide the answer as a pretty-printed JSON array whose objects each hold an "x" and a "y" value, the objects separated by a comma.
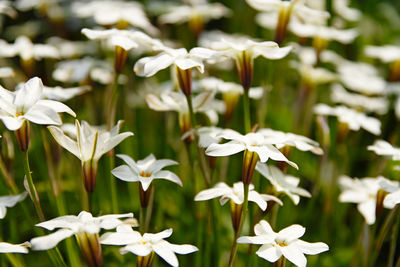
[
  {"x": 145, "y": 174},
  {"x": 19, "y": 114},
  {"x": 280, "y": 242},
  {"x": 144, "y": 242}
]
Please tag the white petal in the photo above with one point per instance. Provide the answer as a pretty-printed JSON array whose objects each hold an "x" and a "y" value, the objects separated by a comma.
[
  {"x": 137, "y": 249},
  {"x": 311, "y": 248},
  {"x": 227, "y": 149},
  {"x": 168, "y": 176},
  {"x": 125, "y": 173},
  {"x": 64, "y": 140},
  {"x": 294, "y": 255},
  {"x": 43, "y": 115},
  {"x": 256, "y": 197},
  {"x": 12, "y": 248},
  {"x": 292, "y": 232},
  {"x": 149, "y": 66},
  {"x": 258, "y": 240},
  {"x": 10, "y": 201},
  {"x": 183, "y": 249},
  {"x": 367, "y": 209},
  {"x": 162, "y": 249},
  {"x": 51, "y": 240},
  {"x": 120, "y": 238},
  {"x": 269, "y": 252},
  {"x": 56, "y": 106},
  {"x": 29, "y": 94},
  {"x": 263, "y": 228},
  {"x": 12, "y": 123}
]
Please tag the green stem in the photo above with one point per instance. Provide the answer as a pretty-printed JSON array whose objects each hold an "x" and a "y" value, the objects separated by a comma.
[
  {"x": 242, "y": 219},
  {"x": 215, "y": 224},
  {"x": 246, "y": 111},
  {"x": 142, "y": 217},
  {"x": 393, "y": 243},
  {"x": 7, "y": 177},
  {"x": 32, "y": 189},
  {"x": 14, "y": 260},
  {"x": 113, "y": 186},
  {"x": 149, "y": 210}
]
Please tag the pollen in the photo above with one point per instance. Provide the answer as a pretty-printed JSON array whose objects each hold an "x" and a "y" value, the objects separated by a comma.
[
  {"x": 145, "y": 174},
  {"x": 19, "y": 114}
]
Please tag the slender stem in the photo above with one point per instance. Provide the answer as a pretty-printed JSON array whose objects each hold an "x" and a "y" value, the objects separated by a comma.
[
  {"x": 149, "y": 210},
  {"x": 393, "y": 242},
  {"x": 113, "y": 186},
  {"x": 32, "y": 189},
  {"x": 215, "y": 224},
  {"x": 246, "y": 111},
  {"x": 14, "y": 260},
  {"x": 142, "y": 217},
  {"x": 242, "y": 219},
  {"x": 191, "y": 111},
  {"x": 7, "y": 176}
]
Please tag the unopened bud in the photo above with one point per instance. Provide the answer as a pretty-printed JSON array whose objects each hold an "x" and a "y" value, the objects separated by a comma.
[
  {"x": 395, "y": 71},
  {"x": 380, "y": 197}
]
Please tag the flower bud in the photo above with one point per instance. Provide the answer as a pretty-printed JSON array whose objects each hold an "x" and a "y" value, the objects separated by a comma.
[
  {"x": 89, "y": 171},
  {"x": 120, "y": 58},
  {"x": 320, "y": 44},
  {"x": 146, "y": 261},
  {"x": 28, "y": 66},
  {"x": 90, "y": 247},
  {"x": 244, "y": 66},
  {"x": 23, "y": 136},
  {"x": 236, "y": 212},
  {"x": 250, "y": 160},
  {"x": 184, "y": 80},
  {"x": 342, "y": 131}
]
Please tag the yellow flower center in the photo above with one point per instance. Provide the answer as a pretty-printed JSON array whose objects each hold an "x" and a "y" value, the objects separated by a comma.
[
  {"x": 19, "y": 114},
  {"x": 145, "y": 174}
]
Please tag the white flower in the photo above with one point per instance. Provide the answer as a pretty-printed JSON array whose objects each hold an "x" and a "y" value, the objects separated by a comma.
[
  {"x": 354, "y": 119},
  {"x": 127, "y": 39},
  {"x": 234, "y": 46},
  {"x": 142, "y": 246},
  {"x": 28, "y": 50},
  {"x": 145, "y": 171},
  {"x": 107, "y": 12},
  {"x": 370, "y": 104},
  {"x": 78, "y": 70},
  {"x": 75, "y": 225},
  {"x": 284, "y": 243},
  {"x": 91, "y": 142},
  {"x": 72, "y": 49},
  {"x": 393, "y": 188},
  {"x": 363, "y": 192},
  {"x": 148, "y": 66},
  {"x": 207, "y": 135},
  {"x": 59, "y": 93},
  {"x": 386, "y": 53},
  {"x": 10, "y": 201},
  {"x": 341, "y": 8},
  {"x": 381, "y": 147},
  {"x": 235, "y": 194},
  {"x": 176, "y": 101},
  {"x": 294, "y": 8},
  {"x": 282, "y": 139},
  {"x": 26, "y": 104},
  {"x": 253, "y": 142},
  {"x": 218, "y": 85},
  {"x": 199, "y": 11},
  {"x": 324, "y": 32},
  {"x": 14, "y": 248},
  {"x": 284, "y": 183},
  {"x": 361, "y": 77}
]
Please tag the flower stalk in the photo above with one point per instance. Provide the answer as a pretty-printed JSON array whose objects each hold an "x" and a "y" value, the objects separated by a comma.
[
  {"x": 146, "y": 261},
  {"x": 32, "y": 189},
  {"x": 91, "y": 248}
]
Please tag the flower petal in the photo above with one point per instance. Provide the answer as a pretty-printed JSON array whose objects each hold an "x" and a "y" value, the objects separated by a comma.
[{"x": 51, "y": 240}]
